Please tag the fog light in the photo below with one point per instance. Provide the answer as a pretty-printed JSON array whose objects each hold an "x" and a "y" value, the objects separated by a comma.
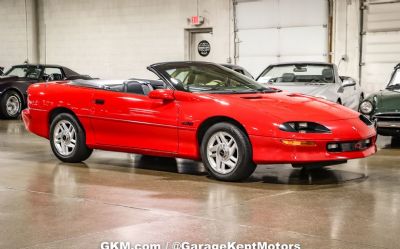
[
  {"x": 298, "y": 143},
  {"x": 333, "y": 146}
]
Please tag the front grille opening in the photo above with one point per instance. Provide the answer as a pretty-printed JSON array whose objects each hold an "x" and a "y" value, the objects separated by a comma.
[
  {"x": 365, "y": 120},
  {"x": 349, "y": 146}
]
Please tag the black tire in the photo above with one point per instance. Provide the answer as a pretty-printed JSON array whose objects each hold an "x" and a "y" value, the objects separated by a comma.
[
  {"x": 10, "y": 95},
  {"x": 359, "y": 102},
  {"x": 244, "y": 166},
  {"x": 80, "y": 152}
]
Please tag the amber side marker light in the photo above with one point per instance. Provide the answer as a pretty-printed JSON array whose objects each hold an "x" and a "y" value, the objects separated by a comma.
[{"x": 299, "y": 143}]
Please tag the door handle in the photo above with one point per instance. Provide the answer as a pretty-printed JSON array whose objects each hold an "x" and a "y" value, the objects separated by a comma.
[{"x": 99, "y": 101}]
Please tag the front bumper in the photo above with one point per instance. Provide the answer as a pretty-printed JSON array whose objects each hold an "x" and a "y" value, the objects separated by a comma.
[
  {"x": 267, "y": 150},
  {"x": 387, "y": 124}
]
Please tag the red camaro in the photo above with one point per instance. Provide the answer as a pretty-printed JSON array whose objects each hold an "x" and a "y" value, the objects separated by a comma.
[{"x": 198, "y": 111}]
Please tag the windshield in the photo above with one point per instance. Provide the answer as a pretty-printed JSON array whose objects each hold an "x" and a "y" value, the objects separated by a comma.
[
  {"x": 395, "y": 82},
  {"x": 202, "y": 77},
  {"x": 31, "y": 72},
  {"x": 298, "y": 73}
]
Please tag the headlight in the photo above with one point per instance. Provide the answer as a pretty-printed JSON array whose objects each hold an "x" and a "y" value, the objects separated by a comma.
[
  {"x": 303, "y": 127},
  {"x": 366, "y": 107}
]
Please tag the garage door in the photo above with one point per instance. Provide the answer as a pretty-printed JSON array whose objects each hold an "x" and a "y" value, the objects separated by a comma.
[
  {"x": 271, "y": 31},
  {"x": 381, "y": 43}
]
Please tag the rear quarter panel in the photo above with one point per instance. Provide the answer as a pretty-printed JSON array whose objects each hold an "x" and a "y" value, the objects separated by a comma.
[{"x": 45, "y": 98}]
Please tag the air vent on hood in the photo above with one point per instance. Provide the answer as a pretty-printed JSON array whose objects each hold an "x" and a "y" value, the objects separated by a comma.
[
  {"x": 252, "y": 97},
  {"x": 295, "y": 95},
  {"x": 365, "y": 120}
]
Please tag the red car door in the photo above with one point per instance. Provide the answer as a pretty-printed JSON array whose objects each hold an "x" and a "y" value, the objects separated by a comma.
[{"x": 128, "y": 120}]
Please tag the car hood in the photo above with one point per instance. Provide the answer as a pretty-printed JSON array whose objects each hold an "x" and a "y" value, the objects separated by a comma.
[
  {"x": 292, "y": 106},
  {"x": 389, "y": 101},
  {"x": 4, "y": 79},
  {"x": 327, "y": 91}
]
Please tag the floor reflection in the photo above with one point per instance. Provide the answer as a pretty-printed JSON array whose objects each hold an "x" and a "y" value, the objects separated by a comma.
[
  {"x": 321, "y": 176},
  {"x": 275, "y": 174},
  {"x": 12, "y": 127},
  {"x": 166, "y": 164}
]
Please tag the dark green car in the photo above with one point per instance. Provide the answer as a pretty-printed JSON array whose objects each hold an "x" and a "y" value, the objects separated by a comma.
[{"x": 383, "y": 107}]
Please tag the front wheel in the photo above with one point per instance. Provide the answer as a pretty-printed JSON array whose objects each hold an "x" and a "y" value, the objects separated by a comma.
[
  {"x": 226, "y": 152},
  {"x": 10, "y": 105},
  {"x": 68, "y": 140}
]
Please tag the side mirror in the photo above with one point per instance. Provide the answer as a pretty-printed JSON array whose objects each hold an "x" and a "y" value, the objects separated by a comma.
[
  {"x": 164, "y": 94},
  {"x": 347, "y": 81}
]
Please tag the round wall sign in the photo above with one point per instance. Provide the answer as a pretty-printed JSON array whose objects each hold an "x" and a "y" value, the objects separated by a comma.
[{"x": 204, "y": 48}]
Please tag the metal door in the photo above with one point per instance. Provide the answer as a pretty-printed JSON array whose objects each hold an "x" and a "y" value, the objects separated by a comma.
[
  {"x": 381, "y": 43},
  {"x": 201, "y": 46}
]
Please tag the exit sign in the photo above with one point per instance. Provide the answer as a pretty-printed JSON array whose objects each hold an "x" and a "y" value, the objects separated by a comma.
[{"x": 197, "y": 20}]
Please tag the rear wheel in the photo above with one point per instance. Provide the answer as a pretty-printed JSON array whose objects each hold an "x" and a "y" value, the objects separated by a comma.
[
  {"x": 68, "y": 140},
  {"x": 226, "y": 152},
  {"x": 10, "y": 105}
]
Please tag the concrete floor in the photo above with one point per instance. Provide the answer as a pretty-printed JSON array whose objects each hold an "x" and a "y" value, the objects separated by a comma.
[{"x": 120, "y": 197}]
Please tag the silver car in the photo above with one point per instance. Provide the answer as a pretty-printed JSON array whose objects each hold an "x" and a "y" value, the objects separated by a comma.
[{"x": 314, "y": 78}]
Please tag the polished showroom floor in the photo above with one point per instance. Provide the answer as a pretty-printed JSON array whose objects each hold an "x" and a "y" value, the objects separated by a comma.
[{"x": 119, "y": 197}]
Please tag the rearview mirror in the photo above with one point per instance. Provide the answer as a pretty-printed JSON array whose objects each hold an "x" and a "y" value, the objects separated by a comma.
[{"x": 164, "y": 94}]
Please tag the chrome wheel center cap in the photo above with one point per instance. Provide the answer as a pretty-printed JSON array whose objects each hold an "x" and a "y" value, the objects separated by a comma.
[{"x": 223, "y": 152}]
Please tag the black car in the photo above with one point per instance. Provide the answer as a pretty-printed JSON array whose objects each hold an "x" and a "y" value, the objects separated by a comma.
[
  {"x": 1, "y": 71},
  {"x": 238, "y": 69},
  {"x": 15, "y": 82}
]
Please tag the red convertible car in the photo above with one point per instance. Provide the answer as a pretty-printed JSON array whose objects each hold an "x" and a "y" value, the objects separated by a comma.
[{"x": 197, "y": 110}]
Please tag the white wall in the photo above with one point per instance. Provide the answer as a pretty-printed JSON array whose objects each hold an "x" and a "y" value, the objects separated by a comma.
[
  {"x": 18, "y": 34},
  {"x": 119, "y": 38}
]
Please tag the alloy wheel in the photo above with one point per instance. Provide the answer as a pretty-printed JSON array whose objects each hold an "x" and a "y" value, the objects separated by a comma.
[
  {"x": 222, "y": 152},
  {"x": 64, "y": 138},
  {"x": 13, "y": 105}
]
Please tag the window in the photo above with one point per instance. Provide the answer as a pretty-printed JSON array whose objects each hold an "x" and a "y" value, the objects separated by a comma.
[
  {"x": 31, "y": 72},
  {"x": 209, "y": 77},
  {"x": 54, "y": 73},
  {"x": 298, "y": 73},
  {"x": 396, "y": 78}
]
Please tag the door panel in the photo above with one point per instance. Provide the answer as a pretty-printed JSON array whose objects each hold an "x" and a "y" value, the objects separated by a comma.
[{"x": 135, "y": 121}]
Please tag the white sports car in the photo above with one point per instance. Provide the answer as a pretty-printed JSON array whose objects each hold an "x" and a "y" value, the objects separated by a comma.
[{"x": 316, "y": 79}]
